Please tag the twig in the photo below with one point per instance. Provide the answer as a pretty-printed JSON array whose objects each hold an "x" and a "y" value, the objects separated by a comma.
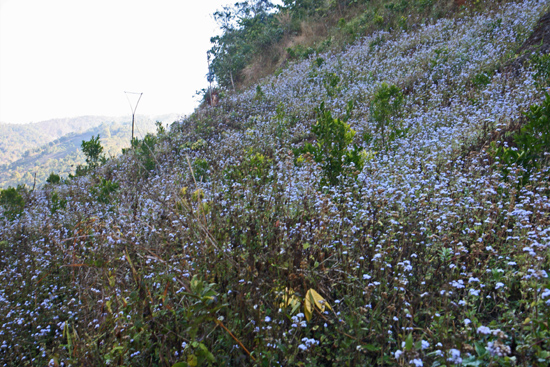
[
  {"x": 34, "y": 183},
  {"x": 76, "y": 237},
  {"x": 237, "y": 340},
  {"x": 191, "y": 168}
]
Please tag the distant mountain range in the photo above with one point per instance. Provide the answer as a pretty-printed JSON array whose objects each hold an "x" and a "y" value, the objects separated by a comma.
[{"x": 37, "y": 149}]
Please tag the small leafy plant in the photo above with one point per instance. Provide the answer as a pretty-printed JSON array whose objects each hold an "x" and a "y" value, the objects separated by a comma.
[
  {"x": 53, "y": 179},
  {"x": 92, "y": 149},
  {"x": 12, "y": 201},
  {"x": 531, "y": 144},
  {"x": 57, "y": 203},
  {"x": 541, "y": 64},
  {"x": 334, "y": 149},
  {"x": 254, "y": 166},
  {"x": 200, "y": 169},
  {"x": 331, "y": 83},
  {"x": 144, "y": 150},
  {"x": 480, "y": 80},
  {"x": 103, "y": 190},
  {"x": 385, "y": 110}
]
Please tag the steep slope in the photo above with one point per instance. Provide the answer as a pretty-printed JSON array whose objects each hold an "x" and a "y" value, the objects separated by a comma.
[{"x": 350, "y": 210}]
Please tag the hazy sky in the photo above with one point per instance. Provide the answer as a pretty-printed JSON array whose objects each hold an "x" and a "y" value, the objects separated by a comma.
[{"x": 64, "y": 58}]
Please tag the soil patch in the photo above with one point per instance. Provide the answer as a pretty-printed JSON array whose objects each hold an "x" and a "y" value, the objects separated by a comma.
[{"x": 539, "y": 41}]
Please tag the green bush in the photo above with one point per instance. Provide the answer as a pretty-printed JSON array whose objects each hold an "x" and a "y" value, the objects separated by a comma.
[
  {"x": 53, "y": 179},
  {"x": 144, "y": 151},
  {"x": 331, "y": 83},
  {"x": 333, "y": 150},
  {"x": 92, "y": 149},
  {"x": 259, "y": 93},
  {"x": 299, "y": 52},
  {"x": 532, "y": 142},
  {"x": 12, "y": 201},
  {"x": 103, "y": 190},
  {"x": 482, "y": 79},
  {"x": 56, "y": 203},
  {"x": 200, "y": 169},
  {"x": 254, "y": 166},
  {"x": 423, "y": 4},
  {"x": 541, "y": 65},
  {"x": 385, "y": 110},
  {"x": 283, "y": 122}
]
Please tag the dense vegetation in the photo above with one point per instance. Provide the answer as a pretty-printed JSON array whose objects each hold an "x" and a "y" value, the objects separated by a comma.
[
  {"x": 34, "y": 151},
  {"x": 387, "y": 204},
  {"x": 259, "y": 38}
]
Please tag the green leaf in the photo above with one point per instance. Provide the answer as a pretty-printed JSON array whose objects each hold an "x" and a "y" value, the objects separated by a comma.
[
  {"x": 409, "y": 342},
  {"x": 472, "y": 361},
  {"x": 194, "y": 283},
  {"x": 180, "y": 364},
  {"x": 480, "y": 349},
  {"x": 372, "y": 348},
  {"x": 210, "y": 357}
]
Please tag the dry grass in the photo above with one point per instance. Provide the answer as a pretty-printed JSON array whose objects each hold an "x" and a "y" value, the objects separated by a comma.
[
  {"x": 311, "y": 34},
  {"x": 316, "y": 30}
]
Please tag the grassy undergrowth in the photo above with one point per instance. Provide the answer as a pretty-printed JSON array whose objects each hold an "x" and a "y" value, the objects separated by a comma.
[{"x": 239, "y": 238}]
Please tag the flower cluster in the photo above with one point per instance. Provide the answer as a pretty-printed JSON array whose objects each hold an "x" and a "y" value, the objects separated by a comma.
[{"x": 413, "y": 252}]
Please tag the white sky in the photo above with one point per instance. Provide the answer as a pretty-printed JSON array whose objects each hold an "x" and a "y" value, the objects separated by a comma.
[{"x": 65, "y": 58}]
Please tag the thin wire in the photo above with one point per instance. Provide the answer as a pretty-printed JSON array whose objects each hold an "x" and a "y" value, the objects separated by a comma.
[
  {"x": 130, "y": 103},
  {"x": 139, "y": 131}
]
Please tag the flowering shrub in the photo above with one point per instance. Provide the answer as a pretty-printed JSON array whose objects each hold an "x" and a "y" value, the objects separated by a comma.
[{"x": 428, "y": 255}]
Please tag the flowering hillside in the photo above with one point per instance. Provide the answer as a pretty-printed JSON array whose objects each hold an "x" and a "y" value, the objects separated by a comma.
[{"x": 386, "y": 205}]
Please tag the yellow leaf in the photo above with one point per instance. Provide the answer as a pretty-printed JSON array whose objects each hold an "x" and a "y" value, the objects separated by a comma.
[
  {"x": 192, "y": 360},
  {"x": 314, "y": 299},
  {"x": 289, "y": 299},
  {"x": 197, "y": 195},
  {"x": 308, "y": 307},
  {"x": 320, "y": 302}
]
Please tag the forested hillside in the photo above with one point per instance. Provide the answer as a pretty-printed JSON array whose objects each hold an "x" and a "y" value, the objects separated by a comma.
[
  {"x": 32, "y": 152},
  {"x": 15, "y": 140},
  {"x": 383, "y": 202}
]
